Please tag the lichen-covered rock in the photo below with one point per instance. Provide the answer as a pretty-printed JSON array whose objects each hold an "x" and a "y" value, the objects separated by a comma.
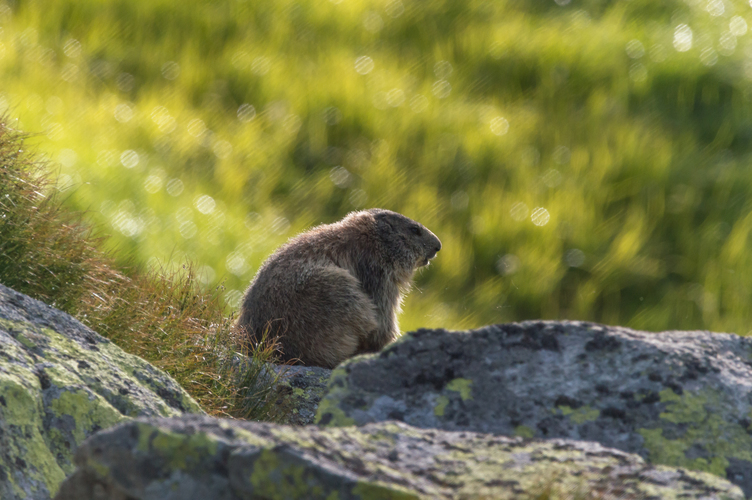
[
  {"x": 59, "y": 383},
  {"x": 195, "y": 458},
  {"x": 675, "y": 398},
  {"x": 301, "y": 389}
]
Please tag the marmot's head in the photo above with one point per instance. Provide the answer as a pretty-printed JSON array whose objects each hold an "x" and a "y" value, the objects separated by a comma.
[{"x": 409, "y": 244}]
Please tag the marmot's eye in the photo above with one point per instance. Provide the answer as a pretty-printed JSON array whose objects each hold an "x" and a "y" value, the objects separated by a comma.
[{"x": 416, "y": 230}]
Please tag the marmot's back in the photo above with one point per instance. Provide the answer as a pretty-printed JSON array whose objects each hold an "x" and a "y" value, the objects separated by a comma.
[{"x": 334, "y": 291}]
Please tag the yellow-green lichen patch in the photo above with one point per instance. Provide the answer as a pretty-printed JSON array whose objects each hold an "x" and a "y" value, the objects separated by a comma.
[
  {"x": 580, "y": 415},
  {"x": 441, "y": 404},
  {"x": 328, "y": 412},
  {"x": 368, "y": 490},
  {"x": 463, "y": 386},
  {"x": 274, "y": 477},
  {"x": 22, "y": 415},
  {"x": 20, "y": 399},
  {"x": 524, "y": 431},
  {"x": 88, "y": 410},
  {"x": 244, "y": 435},
  {"x": 68, "y": 357},
  {"x": 180, "y": 451},
  {"x": 27, "y": 342},
  {"x": 705, "y": 432}
]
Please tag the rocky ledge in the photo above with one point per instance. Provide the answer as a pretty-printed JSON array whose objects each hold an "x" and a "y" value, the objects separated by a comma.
[
  {"x": 676, "y": 398},
  {"x": 195, "y": 458}
]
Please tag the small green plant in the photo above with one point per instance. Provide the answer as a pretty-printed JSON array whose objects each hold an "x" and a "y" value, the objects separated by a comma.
[{"x": 49, "y": 253}]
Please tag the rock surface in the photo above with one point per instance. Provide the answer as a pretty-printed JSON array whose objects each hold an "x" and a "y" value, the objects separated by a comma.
[
  {"x": 59, "y": 383},
  {"x": 302, "y": 388},
  {"x": 674, "y": 398},
  {"x": 195, "y": 458}
]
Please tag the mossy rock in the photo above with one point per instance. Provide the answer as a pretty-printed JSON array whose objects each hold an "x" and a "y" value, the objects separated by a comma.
[
  {"x": 197, "y": 457},
  {"x": 59, "y": 383},
  {"x": 675, "y": 398}
]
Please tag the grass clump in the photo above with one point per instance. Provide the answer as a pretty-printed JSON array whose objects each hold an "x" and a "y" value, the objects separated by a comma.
[{"x": 163, "y": 316}]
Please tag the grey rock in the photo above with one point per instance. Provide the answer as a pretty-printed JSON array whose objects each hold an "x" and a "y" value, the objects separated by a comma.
[
  {"x": 674, "y": 398},
  {"x": 195, "y": 458},
  {"x": 301, "y": 389},
  {"x": 59, "y": 383}
]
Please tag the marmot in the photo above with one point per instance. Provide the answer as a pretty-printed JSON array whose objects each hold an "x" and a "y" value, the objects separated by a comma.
[{"x": 335, "y": 291}]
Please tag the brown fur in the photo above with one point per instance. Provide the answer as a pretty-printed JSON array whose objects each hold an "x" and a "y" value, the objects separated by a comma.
[{"x": 335, "y": 291}]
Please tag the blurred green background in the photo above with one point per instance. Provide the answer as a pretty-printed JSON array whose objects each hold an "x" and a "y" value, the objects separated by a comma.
[{"x": 581, "y": 159}]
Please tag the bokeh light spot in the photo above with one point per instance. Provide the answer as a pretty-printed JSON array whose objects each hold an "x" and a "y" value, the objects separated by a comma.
[
  {"x": 280, "y": 225},
  {"x": 358, "y": 198},
  {"x": 364, "y": 65},
  {"x": 197, "y": 127},
  {"x": 129, "y": 158},
  {"x": 261, "y": 65},
  {"x": 715, "y": 7},
  {"x": 395, "y": 97},
  {"x": 552, "y": 178},
  {"x": 540, "y": 216},
  {"x": 170, "y": 70},
  {"x": 205, "y": 204},
  {"x": 153, "y": 184},
  {"x": 175, "y": 187},
  {"x": 519, "y": 211},
  {"x": 125, "y": 82},
  {"x": 72, "y": 48},
  {"x": 340, "y": 177},
  {"x": 738, "y": 26},
  {"x": 332, "y": 116},
  {"x": 442, "y": 70},
  {"x": 246, "y": 113},
  {"x": 395, "y": 8},
  {"x": 123, "y": 113},
  {"x": 682, "y": 38},
  {"x": 508, "y": 264},
  {"x": 499, "y": 125},
  {"x": 708, "y": 56},
  {"x": 235, "y": 297},
  {"x": 441, "y": 89},
  {"x": 574, "y": 257},
  {"x": 68, "y": 158},
  {"x": 635, "y": 49},
  {"x": 222, "y": 149},
  {"x": 418, "y": 103},
  {"x": 188, "y": 229},
  {"x": 372, "y": 22}
]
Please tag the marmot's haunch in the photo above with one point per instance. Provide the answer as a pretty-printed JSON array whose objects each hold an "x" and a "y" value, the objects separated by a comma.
[{"x": 335, "y": 291}]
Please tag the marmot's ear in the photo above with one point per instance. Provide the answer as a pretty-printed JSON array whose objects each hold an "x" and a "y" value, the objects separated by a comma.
[{"x": 383, "y": 222}]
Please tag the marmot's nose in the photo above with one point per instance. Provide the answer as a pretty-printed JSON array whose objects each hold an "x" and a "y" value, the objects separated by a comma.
[{"x": 435, "y": 249}]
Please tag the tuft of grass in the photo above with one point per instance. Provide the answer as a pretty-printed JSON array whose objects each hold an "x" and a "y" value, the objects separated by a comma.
[{"x": 48, "y": 252}]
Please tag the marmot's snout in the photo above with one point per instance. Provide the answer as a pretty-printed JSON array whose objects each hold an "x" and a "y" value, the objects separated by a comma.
[{"x": 432, "y": 246}]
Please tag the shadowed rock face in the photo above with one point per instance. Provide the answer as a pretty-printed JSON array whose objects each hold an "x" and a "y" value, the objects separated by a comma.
[
  {"x": 196, "y": 458},
  {"x": 304, "y": 386},
  {"x": 675, "y": 398},
  {"x": 59, "y": 383}
]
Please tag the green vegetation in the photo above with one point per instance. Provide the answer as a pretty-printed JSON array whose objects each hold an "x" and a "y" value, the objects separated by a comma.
[
  {"x": 47, "y": 252},
  {"x": 579, "y": 159}
]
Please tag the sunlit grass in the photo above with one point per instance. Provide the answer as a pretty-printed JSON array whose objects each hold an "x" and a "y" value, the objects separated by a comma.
[
  {"x": 166, "y": 317},
  {"x": 583, "y": 160}
]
